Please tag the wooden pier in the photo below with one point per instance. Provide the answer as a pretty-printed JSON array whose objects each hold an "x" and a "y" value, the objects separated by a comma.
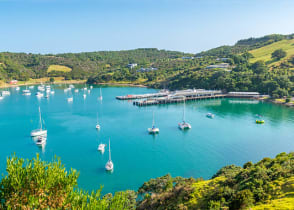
[
  {"x": 168, "y": 97},
  {"x": 167, "y": 100}
]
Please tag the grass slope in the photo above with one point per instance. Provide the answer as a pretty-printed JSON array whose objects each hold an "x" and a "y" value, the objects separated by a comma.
[
  {"x": 264, "y": 53},
  {"x": 58, "y": 68}
]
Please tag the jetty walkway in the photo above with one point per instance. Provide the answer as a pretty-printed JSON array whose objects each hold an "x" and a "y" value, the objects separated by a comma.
[{"x": 167, "y": 97}]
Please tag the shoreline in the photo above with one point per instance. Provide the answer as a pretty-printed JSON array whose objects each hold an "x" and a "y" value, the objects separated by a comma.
[{"x": 2, "y": 85}]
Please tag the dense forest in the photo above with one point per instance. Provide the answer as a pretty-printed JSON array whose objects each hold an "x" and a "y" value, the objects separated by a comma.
[
  {"x": 166, "y": 69},
  {"x": 268, "y": 184}
]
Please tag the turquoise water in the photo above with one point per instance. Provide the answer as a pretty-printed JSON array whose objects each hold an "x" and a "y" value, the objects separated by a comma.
[{"x": 232, "y": 137}]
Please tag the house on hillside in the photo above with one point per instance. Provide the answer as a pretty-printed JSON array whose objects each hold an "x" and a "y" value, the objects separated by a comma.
[
  {"x": 222, "y": 59},
  {"x": 147, "y": 69},
  {"x": 13, "y": 82},
  {"x": 224, "y": 66},
  {"x": 187, "y": 58},
  {"x": 132, "y": 65}
]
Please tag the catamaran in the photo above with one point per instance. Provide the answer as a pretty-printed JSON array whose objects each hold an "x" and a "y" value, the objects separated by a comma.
[
  {"x": 153, "y": 129},
  {"x": 97, "y": 124},
  {"x": 109, "y": 164},
  {"x": 184, "y": 125},
  {"x": 40, "y": 131}
]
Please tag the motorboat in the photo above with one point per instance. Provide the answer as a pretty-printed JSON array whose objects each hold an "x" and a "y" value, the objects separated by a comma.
[
  {"x": 184, "y": 125},
  {"x": 70, "y": 99},
  {"x": 40, "y": 131},
  {"x": 109, "y": 165},
  {"x": 210, "y": 115},
  {"x": 101, "y": 148}
]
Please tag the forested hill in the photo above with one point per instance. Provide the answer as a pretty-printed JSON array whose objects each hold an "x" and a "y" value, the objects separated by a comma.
[
  {"x": 22, "y": 66},
  {"x": 263, "y": 64},
  {"x": 245, "y": 45}
]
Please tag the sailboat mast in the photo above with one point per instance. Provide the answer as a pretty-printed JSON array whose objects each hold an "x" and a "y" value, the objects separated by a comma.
[
  {"x": 184, "y": 111},
  {"x": 153, "y": 120},
  {"x": 109, "y": 151},
  {"x": 40, "y": 118}
]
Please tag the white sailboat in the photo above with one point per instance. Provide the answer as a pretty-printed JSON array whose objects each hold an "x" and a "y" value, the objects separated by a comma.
[
  {"x": 26, "y": 92},
  {"x": 153, "y": 129},
  {"x": 184, "y": 125},
  {"x": 97, "y": 124},
  {"x": 100, "y": 97},
  {"x": 1, "y": 97},
  {"x": 5, "y": 92},
  {"x": 40, "y": 131},
  {"x": 109, "y": 164}
]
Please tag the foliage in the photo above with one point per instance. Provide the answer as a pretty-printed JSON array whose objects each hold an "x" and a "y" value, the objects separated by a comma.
[
  {"x": 267, "y": 183},
  {"x": 279, "y": 54},
  {"x": 35, "y": 184}
]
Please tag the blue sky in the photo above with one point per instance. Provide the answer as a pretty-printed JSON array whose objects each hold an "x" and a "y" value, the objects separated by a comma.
[{"x": 56, "y": 26}]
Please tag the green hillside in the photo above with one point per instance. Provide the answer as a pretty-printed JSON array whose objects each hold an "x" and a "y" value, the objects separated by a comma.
[{"x": 264, "y": 53}]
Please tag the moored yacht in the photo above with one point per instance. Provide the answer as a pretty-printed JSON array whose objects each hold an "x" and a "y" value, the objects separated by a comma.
[
  {"x": 26, "y": 92},
  {"x": 40, "y": 131},
  {"x": 153, "y": 129},
  {"x": 109, "y": 164},
  {"x": 184, "y": 125}
]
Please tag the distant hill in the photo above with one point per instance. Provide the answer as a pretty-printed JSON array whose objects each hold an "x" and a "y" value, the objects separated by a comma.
[{"x": 245, "y": 45}]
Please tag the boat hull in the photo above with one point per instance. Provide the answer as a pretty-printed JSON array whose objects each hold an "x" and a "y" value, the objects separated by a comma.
[{"x": 38, "y": 132}]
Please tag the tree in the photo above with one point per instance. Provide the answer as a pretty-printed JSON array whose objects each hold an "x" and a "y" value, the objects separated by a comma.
[
  {"x": 51, "y": 80},
  {"x": 292, "y": 60},
  {"x": 259, "y": 67},
  {"x": 279, "y": 54},
  {"x": 35, "y": 184}
]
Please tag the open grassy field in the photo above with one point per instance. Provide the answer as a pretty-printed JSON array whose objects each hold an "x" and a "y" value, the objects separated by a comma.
[
  {"x": 264, "y": 53},
  {"x": 58, "y": 68}
]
